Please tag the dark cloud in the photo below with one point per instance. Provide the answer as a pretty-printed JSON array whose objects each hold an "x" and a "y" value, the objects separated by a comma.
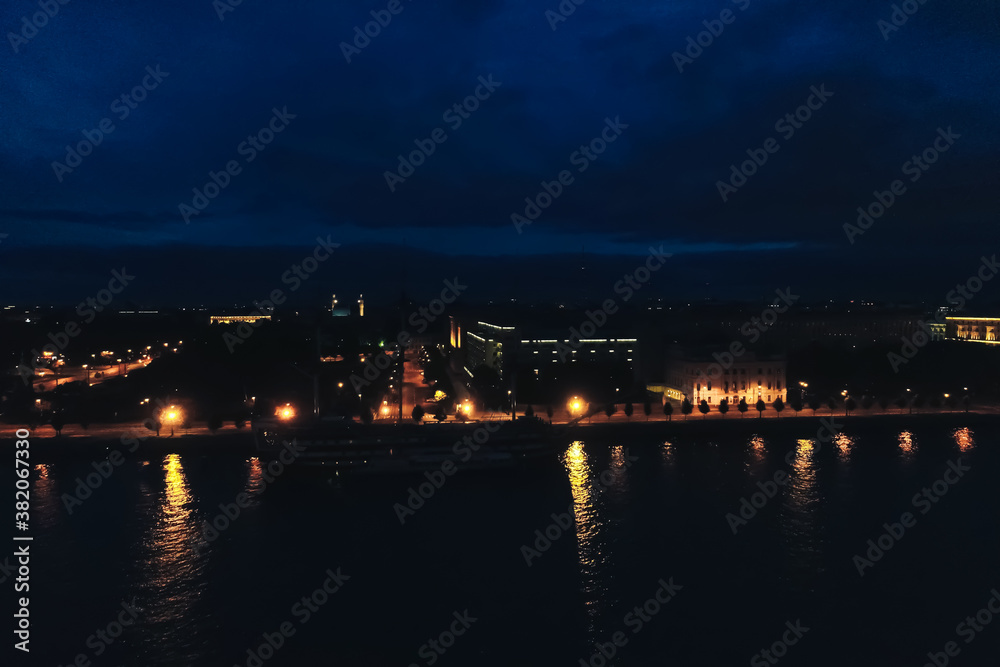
[{"x": 657, "y": 183}]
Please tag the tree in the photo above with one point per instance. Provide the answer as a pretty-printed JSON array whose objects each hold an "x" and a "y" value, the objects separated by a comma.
[
  {"x": 366, "y": 416},
  {"x": 628, "y": 411},
  {"x": 214, "y": 422},
  {"x": 724, "y": 406},
  {"x": 850, "y": 405},
  {"x": 951, "y": 402},
  {"x": 686, "y": 408},
  {"x": 831, "y": 403},
  {"x": 529, "y": 411},
  {"x": 779, "y": 405},
  {"x": 703, "y": 407},
  {"x": 935, "y": 402},
  {"x": 966, "y": 402},
  {"x": 919, "y": 401},
  {"x": 609, "y": 410},
  {"x": 549, "y": 412},
  {"x": 668, "y": 410},
  {"x": 57, "y": 422},
  {"x": 240, "y": 424},
  {"x": 901, "y": 403},
  {"x": 647, "y": 408},
  {"x": 795, "y": 402},
  {"x": 742, "y": 407},
  {"x": 883, "y": 402},
  {"x": 154, "y": 425},
  {"x": 439, "y": 413},
  {"x": 867, "y": 402},
  {"x": 418, "y": 413},
  {"x": 761, "y": 406},
  {"x": 814, "y": 405}
]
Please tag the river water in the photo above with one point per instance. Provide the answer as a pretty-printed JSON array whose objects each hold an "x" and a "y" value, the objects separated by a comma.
[{"x": 658, "y": 568}]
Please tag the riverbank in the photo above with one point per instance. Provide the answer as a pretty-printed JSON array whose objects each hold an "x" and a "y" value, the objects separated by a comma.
[{"x": 240, "y": 443}]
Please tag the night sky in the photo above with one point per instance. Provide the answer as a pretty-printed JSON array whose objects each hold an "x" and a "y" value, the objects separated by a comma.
[{"x": 220, "y": 80}]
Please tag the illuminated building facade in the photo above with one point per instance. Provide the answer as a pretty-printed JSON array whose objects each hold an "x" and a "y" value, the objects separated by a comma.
[
  {"x": 236, "y": 319},
  {"x": 698, "y": 378},
  {"x": 977, "y": 329}
]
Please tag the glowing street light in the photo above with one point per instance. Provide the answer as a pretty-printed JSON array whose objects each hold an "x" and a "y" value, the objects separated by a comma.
[
  {"x": 171, "y": 416},
  {"x": 286, "y": 412},
  {"x": 576, "y": 406}
]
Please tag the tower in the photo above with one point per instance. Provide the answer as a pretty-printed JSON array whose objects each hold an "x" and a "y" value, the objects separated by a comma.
[
  {"x": 361, "y": 305},
  {"x": 333, "y": 303}
]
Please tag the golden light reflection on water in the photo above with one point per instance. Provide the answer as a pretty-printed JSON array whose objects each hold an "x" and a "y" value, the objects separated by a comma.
[
  {"x": 803, "y": 529},
  {"x": 758, "y": 449},
  {"x": 964, "y": 439},
  {"x": 255, "y": 477},
  {"x": 593, "y": 560},
  {"x": 907, "y": 444},
  {"x": 668, "y": 452},
  {"x": 45, "y": 497},
  {"x": 172, "y": 573},
  {"x": 843, "y": 444}
]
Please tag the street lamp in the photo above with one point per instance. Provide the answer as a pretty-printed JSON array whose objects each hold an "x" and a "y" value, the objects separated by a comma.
[
  {"x": 286, "y": 412},
  {"x": 87, "y": 368},
  {"x": 170, "y": 417}
]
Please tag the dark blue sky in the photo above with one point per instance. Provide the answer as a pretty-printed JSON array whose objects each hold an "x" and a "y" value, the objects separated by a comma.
[{"x": 656, "y": 184}]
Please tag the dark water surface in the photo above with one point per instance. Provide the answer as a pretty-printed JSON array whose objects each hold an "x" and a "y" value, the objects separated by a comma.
[{"x": 646, "y": 512}]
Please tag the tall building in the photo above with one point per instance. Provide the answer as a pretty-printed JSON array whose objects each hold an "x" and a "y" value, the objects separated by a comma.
[{"x": 361, "y": 305}]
